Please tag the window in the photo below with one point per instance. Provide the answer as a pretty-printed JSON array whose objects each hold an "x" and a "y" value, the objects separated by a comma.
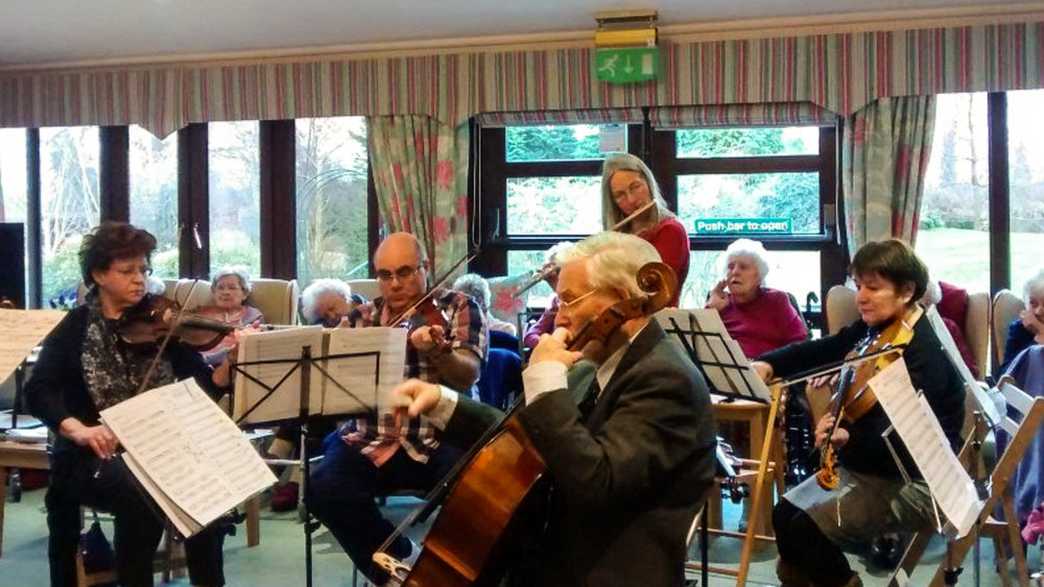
[
  {"x": 520, "y": 262},
  {"x": 235, "y": 184},
  {"x": 13, "y": 188},
  {"x": 154, "y": 195},
  {"x": 767, "y": 203},
  {"x": 953, "y": 239},
  {"x": 1026, "y": 185},
  {"x": 747, "y": 142},
  {"x": 69, "y": 206},
  {"x": 547, "y": 188},
  {"x": 332, "y": 222},
  {"x": 795, "y": 272}
]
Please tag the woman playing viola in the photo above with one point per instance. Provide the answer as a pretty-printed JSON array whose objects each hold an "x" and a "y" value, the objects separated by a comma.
[
  {"x": 230, "y": 292},
  {"x": 85, "y": 367},
  {"x": 873, "y": 497},
  {"x": 628, "y": 186}
]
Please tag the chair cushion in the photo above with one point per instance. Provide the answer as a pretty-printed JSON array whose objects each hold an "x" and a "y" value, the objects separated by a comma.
[
  {"x": 954, "y": 304},
  {"x": 502, "y": 303}
]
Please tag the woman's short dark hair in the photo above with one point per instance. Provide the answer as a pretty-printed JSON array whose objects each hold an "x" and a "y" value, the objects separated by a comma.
[
  {"x": 110, "y": 241},
  {"x": 893, "y": 260}
]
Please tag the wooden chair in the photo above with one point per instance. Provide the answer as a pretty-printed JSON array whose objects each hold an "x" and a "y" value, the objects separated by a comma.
[
  {"x": 169, "y": 562},
  {"x": 977, "y": 330},
  {"x": 1006, "y": 307},
  {"x": 1021, "y": 434}
]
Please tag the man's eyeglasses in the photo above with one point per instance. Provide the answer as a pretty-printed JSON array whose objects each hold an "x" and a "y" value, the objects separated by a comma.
[
  {"x": 564, "y": 304},
  {"x": 402, "y": 273}
]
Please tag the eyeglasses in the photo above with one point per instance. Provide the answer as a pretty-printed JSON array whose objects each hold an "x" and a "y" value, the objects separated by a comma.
[
  {"x": 564, "y": 304},
  {"x": 635, "y": 186},
  {"x": 129, "y": 272},
  {"x": 402, "y": 273}
]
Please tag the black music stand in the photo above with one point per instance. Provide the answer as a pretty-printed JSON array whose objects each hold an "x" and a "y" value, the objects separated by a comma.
[{"x": 304, "y": 363}]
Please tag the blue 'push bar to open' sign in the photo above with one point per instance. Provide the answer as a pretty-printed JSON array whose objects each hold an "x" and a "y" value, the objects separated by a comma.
[{"x": 743, "y": 226}]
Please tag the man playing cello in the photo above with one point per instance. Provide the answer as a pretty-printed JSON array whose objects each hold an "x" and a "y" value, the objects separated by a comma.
[{"x": 628, "y": 444}]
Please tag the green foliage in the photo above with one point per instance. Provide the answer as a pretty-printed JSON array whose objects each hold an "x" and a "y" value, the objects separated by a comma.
[
  {"x": 551, "y": 143},
  {"x": 731, "y": 142}
]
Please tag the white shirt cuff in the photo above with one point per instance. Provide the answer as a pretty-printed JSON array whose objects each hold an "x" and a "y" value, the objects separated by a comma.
[
  {"x": 540, "y": 378},
  {"x": 440, "y": 415}
]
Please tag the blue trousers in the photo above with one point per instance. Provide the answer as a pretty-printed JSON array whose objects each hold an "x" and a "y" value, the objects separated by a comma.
[{"x": 343, "y": 488}]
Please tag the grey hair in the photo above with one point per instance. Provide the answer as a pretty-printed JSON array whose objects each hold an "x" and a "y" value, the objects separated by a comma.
[
  {"x": 1035, "y": 282},
  {"x": 239, "y": 271},
  {"x": 319, "y": 287},
  {"x": 556, "y": 251},
  {"x": 613, "y": 260},
  {"x": 745, "y": 247},
  {"x": 611, "y": 214},
  {"x": 475, "y": 286}
]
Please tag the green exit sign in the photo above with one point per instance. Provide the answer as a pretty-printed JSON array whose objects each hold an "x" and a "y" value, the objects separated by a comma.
[
  {"x": 627, "y": 66},
  {"x": 744, "y": 226}
]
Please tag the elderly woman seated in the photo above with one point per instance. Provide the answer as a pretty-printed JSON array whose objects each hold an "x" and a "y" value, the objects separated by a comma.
[
  {"x": 759, "y": 318},
  {"x": 1028, "y": 328},
  {"x": 230, "y": 292},
  {"x": 328, "y": 302},
  {"x": 546, "y": 323},
  {"x": 477, "y": 287}
]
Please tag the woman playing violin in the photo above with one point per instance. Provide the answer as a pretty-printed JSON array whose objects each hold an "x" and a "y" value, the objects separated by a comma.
[
  {"x": 230, "y": 294},
  {"x": 85, "y": 367},
  {"x": 814, "y": 524},
  {"x": 627, "y": 436}
]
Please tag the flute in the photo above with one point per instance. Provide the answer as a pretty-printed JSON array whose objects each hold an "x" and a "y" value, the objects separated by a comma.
[{"x": 634, "y": 215}]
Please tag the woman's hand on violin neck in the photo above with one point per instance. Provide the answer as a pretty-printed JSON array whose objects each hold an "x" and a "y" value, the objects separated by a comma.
[
  {"x": 839, "y": 438},
  {"x": 829, "y": 380},
  {"x": 763, "y": 369},
  {"x": 555, "y": 347},
  {"x": 98, "y": 438},
  {"x": 427, "y": 338},
  {"x": 416, "y": 397}
]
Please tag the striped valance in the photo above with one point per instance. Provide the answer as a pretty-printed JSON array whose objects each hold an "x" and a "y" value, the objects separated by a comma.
[
  {"x": 600, "y": 116},
  {"x": 786, "y": 114},
  {"x": 840, "y": 72}
]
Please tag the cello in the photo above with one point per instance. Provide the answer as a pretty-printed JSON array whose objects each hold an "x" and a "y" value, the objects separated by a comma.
[{"x": 471, "y": 538}]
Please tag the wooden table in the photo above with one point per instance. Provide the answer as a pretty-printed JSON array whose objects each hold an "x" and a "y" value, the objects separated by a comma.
[
  {"x": 755, "y": 416},
  {"x": 20, "y": 456}
]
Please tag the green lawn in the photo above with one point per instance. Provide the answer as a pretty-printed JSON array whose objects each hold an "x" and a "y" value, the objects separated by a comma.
[{"x": 962, "y": 256}]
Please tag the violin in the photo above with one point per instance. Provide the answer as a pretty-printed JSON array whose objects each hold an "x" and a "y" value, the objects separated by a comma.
[
  {"x": 854, "y": 398},
  {"x": 148, "y": 322},
  {"x": 471, "y": 538}
]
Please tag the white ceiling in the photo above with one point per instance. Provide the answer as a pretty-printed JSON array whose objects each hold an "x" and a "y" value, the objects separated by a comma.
[{"x": 42, "y": 31}]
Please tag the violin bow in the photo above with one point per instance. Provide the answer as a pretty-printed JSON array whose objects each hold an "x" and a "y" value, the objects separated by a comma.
[
  {"x": 408, "y": 311},
  {"x": 166, "y": 339},
  {"x": 834, "y": 367}
]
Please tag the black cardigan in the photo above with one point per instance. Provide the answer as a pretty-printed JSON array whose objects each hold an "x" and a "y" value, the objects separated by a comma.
[
  {"x": 930, "y": 371},
  {"x": 57, "y": 390}
]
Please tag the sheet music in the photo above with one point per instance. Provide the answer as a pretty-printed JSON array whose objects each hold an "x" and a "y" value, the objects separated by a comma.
[
  {"x": 23, "y": 330},
  {"x": 916, "y": 424},
  {"x": 989, "y": 409},
  {"x": 726, "y": 367},
  {"x": 382, "y": 356},
  {"x": 276, "y": 345},
  {"x": 189, "y": 450}
]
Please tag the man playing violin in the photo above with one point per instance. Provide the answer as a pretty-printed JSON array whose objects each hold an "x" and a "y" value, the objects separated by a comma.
[
  {"x": 378, "y": 455},
  {"x": 814, "y": 524},
  {"x": 85, "y": 367},
  {"x": 627, "y": 435}
]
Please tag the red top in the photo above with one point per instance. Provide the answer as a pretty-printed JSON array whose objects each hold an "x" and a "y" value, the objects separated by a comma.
[
  {"x": 672, "y": 242},
  {"x": 767, "y": 323}
]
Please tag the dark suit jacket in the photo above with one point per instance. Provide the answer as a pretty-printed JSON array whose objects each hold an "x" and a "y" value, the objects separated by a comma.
[{"x": 627, "y": 481}]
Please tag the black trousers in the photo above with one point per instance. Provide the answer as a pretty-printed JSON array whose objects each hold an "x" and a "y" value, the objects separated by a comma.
[
  {"x": 802, "y": 545},
  {"x": 78, "y": 478}
]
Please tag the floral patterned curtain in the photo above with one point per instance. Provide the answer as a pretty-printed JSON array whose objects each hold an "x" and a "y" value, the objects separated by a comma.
[
  {"x": 420, "y": 172},
  {"x": 884, "y": 156}
]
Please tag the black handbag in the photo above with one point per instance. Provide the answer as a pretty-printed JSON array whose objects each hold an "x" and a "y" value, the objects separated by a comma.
[{"x": 95, "y": 550}]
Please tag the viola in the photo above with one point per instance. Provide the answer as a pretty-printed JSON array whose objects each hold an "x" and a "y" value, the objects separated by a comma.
[
  {"x": 471, "y": 539},
  {"x": 854, "y": 398},
  {"x": 147, "y": 324}
]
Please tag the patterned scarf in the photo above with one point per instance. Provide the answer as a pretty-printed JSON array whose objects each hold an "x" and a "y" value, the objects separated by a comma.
[{"x": 112, "y": 370}]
